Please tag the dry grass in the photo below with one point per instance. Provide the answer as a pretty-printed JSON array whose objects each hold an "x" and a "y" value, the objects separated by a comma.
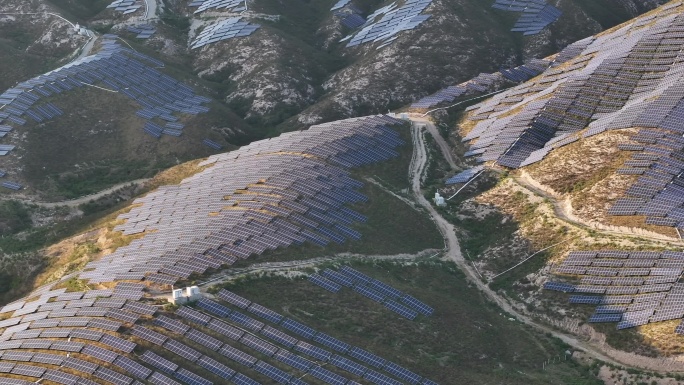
[
  {"x": 660, "y": 337},
  {"x": 639, "y": 221}
]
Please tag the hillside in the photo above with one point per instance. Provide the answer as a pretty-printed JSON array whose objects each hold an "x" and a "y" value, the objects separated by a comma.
[
  {"x": 290, "y": 72},
  {"x": 586, "y": 158},
  {"x": 208, "y": 191}
]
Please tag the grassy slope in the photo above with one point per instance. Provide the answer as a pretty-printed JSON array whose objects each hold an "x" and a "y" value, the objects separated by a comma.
[
  {"x": 21, "y": 58},
  {"x": 467, "y": 340},
  {"x": 111, "y": 146}
]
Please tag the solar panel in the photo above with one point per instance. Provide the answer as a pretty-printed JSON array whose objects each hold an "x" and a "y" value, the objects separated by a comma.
[
  {"x": 337, "y": 277},
  {"x": 213, "y": 307},
  {"x": 216, "y": 367},
  {"x": 324, "y": 283},
  {"x": 203, "y": 339},
  {"x": 182, "y": 350},
  {"x": 293, "y": 360},
  {"x": 191, "y": 378},
  {"x": 380, "y": 379},
  {"x": 241, "y": 379},
  {"x": 265, "y": 313},
  {"x": 402, "y": 373},
  {"x": 171, "y": 324},
  {"x": 99, "y": 353},
  {"x": 348, "y": 365},
  {"x": 158, "y": 361},
  {"x": 159, "y": 379},
  {"x": 117, "y": 343},
  {"x": 238, "y": 356},
  {"x": 356, "y": 275},
  {"x": 112, "y": 376},
  {"x": 298, "y": 328},
  {"x": 279, "y": 337},
  {"x": 369, "y": 293},
  {"x": 225, "y": 329},
  {"x": 272, "y": 372},
  {"x": 401, "y": 310},
  {"x": 80, "y": 365},
  {"x": 46, "y": 358},
  {"x": 259, "y": 345},
  {"x": 149, "y": 335},
  {"x": 313, "y": 351},
  {"x": 367, "y": 357},
  {"x": 332, "y": 342},
  {"x": 246, "y": 321},
  {"x": 132, "y": 367},
  {"x": 327, "y": 376},
  {"x": 28, "y": 370},
  {"x": 233, "y": 299},
  {"x": 417, "y": 305}
]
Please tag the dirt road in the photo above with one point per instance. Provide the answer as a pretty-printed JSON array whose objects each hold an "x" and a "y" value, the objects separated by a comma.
[
  {"x": 258, "y": 268},
  {"x": 441, "y": 142},
  {"x": 563, "y": 211},
  {"x": 150, "y": 9}
]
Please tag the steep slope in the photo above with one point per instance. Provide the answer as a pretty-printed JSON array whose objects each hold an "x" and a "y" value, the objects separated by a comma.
[
  {"x": 274, "y": 194},
  {"x": 293, "y": 62},
  {"x": 34, "y": 39},
  {"x": 113, "y": 106},
  {"x": 619, "y": 80},
  {"x": 332, "y": 81}
]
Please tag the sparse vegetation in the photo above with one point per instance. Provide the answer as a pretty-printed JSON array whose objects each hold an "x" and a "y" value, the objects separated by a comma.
[{"x": 467, "y": 340}]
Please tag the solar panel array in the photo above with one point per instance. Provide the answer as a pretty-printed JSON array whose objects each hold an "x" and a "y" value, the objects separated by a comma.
[
  {"x": 142, "y": 31},
  {"x": 225, "y": 29},
  {"x": 284, "y": 347},
  {"x": 55, "y": 321},
  {"x": 385, "y": 29},
  {"x": 536, "y": 14},
  {"x": 395, "y": 300},
  {"x": 272, "y": 193},
  {"x": 464, "y": 176},
  {"x": 340, "y": 4},
  {"x": 632, "y": 288},
  {"x": 658, "y": 159},
  {"x": 127, "y": 72},
  {"x": 230, "y": 5},
  {"x": 349, "y": 15},
  {"x": 126, "y": 6},
  {"x": 483, "y": 83},
  {"x": 625, "y": 78}
]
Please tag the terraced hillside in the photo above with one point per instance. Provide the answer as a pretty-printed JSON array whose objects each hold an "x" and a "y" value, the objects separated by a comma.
[
  {"x": 109, "y": 323},
  {"x": 287, "y": 69},
  {"x": 591, "y": 198}
]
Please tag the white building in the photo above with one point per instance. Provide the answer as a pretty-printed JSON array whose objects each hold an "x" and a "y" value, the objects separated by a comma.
[{"x": 439, "y": 200}]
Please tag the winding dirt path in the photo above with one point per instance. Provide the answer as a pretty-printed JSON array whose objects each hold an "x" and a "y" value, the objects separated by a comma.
[
  {"x": 441, "y": 142},
  {"x": 563, "y": 211},
  {"x": 300, "y": 264}
]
